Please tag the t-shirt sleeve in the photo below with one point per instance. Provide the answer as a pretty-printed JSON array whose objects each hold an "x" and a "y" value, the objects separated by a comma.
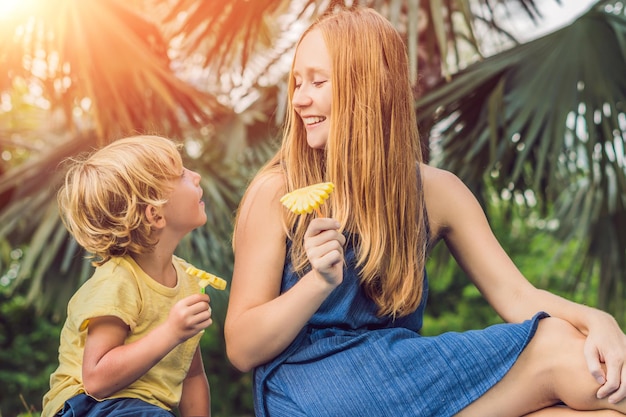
[{"x": 110, "y": 292}]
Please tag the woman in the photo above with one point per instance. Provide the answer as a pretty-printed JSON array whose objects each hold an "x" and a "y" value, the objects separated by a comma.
[{"x": 327, "y": 310}]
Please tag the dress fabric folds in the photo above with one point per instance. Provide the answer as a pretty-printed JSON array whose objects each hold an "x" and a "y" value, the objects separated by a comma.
[{"x": 348, "y": 362}]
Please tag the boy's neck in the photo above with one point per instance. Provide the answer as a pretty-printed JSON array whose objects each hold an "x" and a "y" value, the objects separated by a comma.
[{"x": 157, "y": 266}]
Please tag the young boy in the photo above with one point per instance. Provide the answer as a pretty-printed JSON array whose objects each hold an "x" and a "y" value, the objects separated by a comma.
[{"x": 130, "y": 343}]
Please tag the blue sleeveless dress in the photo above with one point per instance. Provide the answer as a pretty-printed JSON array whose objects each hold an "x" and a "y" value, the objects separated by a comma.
[{"x": 348, "y": 362}]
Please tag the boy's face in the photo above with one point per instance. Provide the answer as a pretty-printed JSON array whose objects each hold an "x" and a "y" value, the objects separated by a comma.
[{"x": 184, "y": 210}]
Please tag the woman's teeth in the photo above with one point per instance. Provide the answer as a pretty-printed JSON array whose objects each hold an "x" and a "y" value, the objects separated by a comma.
[{"x": 312, "y": 120}]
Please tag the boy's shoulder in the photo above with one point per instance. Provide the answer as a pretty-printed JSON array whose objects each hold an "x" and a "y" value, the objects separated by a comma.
[
  {"x": 118, "y": 266},
  {"x": 116, "y": 271}
]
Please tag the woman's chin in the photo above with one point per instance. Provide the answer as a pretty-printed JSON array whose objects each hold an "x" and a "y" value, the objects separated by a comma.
[{"x": 316, "y": 143}]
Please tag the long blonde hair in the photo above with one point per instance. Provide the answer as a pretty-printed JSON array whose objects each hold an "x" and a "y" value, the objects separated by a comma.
[
  {"x": 372, "y": 156},
  {"x": 104, "y": 197}
]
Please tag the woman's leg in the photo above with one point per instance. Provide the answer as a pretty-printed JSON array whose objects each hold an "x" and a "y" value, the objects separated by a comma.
[
  {"x": 561, "y": 411},
  {"x": 550, "y": 370}
]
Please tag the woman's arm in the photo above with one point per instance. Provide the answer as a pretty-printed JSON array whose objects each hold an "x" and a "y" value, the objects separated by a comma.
[
  {"x": 261, "y": 323},
  {"x": 457, "y": 218},
  {"x": 196, "y": 398},
  {"x": 461, "y": 222}
]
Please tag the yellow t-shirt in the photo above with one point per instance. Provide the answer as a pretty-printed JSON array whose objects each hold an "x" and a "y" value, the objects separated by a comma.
[{"x": 120, "y": 288}]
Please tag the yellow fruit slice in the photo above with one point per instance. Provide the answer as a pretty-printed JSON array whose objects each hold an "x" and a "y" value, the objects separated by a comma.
[
  {"x": 306, "y": 199},
  {"x": 206, "y": 279}
]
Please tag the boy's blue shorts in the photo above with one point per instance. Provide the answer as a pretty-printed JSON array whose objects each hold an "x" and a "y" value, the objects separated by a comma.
[{"x": 83, "y": 405}]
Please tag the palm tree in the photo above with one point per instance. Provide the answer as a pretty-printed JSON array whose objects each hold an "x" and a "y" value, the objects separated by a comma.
[
  {"x": 546, "y": 121},
  {"x": 79, "y": 73}
]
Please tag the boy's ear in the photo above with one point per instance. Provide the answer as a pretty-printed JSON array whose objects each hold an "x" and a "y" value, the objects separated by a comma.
[{"x": 154, "y": 217}]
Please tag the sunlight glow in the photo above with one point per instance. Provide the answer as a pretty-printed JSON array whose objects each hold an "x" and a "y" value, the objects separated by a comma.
[
  {"x": 18, "y": 17},
  {"x": 10, "y": 8}
]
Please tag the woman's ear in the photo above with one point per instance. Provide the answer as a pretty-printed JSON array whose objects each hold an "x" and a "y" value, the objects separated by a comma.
[{"x": 154, "y": 217}]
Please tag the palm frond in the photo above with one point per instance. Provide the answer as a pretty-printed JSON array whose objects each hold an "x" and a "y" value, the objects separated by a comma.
[
  {"x": 226, "y": 31},
  {"x": 104, "y": 59},
  {"x": 547, "y": 116}
]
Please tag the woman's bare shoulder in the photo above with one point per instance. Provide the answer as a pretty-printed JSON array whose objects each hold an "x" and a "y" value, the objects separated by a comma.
[
  {"x": 437, "y": 176},
  {"x": 264, "y": 189},
  {"x": 444, "y": 194}
]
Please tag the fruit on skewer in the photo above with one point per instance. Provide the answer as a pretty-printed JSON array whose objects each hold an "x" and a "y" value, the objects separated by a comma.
[
  {"x": 308, "y": 199},
  {"x": 206, "y": 279}
]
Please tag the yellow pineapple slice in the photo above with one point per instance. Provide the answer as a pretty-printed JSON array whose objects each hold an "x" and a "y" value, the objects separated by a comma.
[
  {"x": 306, "y": 199},
  {"x": 206, "y": 279}
]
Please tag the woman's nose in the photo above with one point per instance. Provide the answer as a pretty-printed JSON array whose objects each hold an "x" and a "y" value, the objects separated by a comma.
[{"x": 301, "y": 98}]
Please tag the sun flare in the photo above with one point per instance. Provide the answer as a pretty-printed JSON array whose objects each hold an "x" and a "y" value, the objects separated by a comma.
[
  {"x": 8, "y": 7},
  {"x": 11, "y": 9}
]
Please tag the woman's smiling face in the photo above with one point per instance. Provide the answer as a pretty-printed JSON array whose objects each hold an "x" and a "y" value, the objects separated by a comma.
[{"x": 313, "y": 91}]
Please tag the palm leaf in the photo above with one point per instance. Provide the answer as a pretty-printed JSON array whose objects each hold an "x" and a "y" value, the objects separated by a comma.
[
  {"x": 113, "y": 61},
  {"x": 226, "y": 30},
  {"x": 547, "y": 116}
]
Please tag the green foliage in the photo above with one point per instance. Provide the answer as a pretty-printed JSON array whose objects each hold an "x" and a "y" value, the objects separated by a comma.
[
  {"x": 28, "y": 352},
  {"x": 455, "y": 304}
]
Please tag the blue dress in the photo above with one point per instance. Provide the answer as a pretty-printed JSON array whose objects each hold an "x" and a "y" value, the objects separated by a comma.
[{"x": 348, "y": 362}]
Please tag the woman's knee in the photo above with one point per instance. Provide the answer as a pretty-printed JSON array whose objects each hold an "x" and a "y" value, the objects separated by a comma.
[{"x": 557, "y": 344}]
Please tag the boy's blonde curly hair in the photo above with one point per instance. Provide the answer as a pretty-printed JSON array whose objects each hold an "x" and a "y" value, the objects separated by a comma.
[{"x": 105, "y": 195}]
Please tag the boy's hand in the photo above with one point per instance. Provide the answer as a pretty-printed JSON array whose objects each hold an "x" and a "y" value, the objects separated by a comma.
[{"x": 189, "y": 316}]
